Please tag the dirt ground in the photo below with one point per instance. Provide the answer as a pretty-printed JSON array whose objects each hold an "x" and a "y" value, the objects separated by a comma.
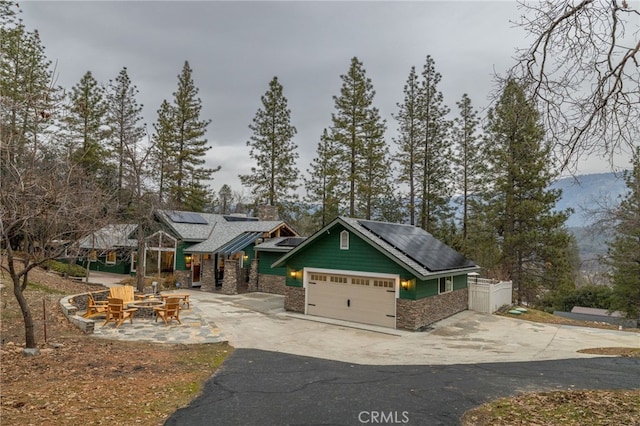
[{"x": 81, "y": 380}]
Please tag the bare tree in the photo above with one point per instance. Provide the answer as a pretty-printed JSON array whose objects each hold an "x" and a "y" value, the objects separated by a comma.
[
  {"x": 582, "y": 67},
  {"x": 48, "y": 204}
]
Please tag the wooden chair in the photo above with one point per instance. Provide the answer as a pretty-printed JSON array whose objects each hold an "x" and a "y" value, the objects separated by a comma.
[
  {"x": 117, "y": 312},
  {"x": 94, "y": 307},
  {"x": 170, "y": 310},
  {"x": 124, "y": 292}
]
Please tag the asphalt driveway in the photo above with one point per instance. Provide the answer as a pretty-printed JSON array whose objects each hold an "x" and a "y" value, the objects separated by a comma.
[{"x": 264, "y": 388}]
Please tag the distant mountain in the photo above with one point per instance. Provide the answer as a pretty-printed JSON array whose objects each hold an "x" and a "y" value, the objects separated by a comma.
[{"x": 587, "y": 192}]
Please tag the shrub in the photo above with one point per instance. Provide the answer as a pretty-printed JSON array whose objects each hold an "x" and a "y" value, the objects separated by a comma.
[{"x": 71, "y": 270}]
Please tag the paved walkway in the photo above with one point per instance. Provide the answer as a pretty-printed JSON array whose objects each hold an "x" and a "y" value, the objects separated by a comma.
[{"x": 259, "y": 321}]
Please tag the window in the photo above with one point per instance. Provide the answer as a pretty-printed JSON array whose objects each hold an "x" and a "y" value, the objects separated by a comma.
[
  {"x": 111, "y": 258},
  {"x": 134, "y": 261},
  {"x": 344, "y": 240},
  {"x": 445, "y": 285},
  {"x": 360, "y": 281},
  {"x": 383, "y": 283},
  {"x": 93, "y": 256},
  {"x": 337, "y": 279}
]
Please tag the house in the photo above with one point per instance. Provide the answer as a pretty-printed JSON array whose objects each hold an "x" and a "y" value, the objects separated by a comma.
[
  {"x": 109, "y": 249},
  {"x": 379, "y": 273},
  {"x": 211, "y": 251}
]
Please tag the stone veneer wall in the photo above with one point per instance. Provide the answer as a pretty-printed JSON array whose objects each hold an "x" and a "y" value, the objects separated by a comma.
[
  {"x": 414, "y": 314},
  {"x": 253, "y": 276},
  {"x": 184, "y": 278},
  {"x": 294, "y": 299},
  {"x": 208, "y": 277},
  {"x": 230, "y": 279},
  {"x": 272, "y": 284}
]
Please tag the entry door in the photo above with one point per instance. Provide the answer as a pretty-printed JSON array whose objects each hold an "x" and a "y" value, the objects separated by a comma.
[
  {"x": 196, "y": 273},
  {"x": 368, "y": 300}
]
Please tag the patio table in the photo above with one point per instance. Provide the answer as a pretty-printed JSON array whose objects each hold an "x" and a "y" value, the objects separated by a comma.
[{"x": 183, "y": 296}]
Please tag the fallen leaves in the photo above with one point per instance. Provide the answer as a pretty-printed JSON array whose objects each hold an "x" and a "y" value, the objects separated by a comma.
[{"x": 82, "y": 380}]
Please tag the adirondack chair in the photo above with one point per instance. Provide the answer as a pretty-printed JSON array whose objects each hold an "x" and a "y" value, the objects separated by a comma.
[
  {"x": 124, "y": 292},
  {"x": 170, "y": 310},
  {"x": 118, "y": 313},
  {"x": 94, "y": 307}
]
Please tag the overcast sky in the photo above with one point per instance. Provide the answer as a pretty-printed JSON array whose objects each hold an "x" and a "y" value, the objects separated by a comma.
[{"x": 236, "y": 48}]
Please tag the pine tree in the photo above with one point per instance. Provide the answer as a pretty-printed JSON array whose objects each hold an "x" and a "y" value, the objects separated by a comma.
[
  {"x": 26, "y": 94},
  {"x": 323, "y": 180},
  {"x": 357, "y": 125},
  {"x": 225, "y": 197},
  {"x": 164, "y": 137},
  {"x": 624, "y": 250},
  {"x": 410, "y": 139},
  {"x": 189, "y": 146},
  {"x": 375, "y": 168},
  {"x": 469, "y": 163},
  {"x": 521, "y": 208},
  {"x": 275, "y": 177},
  {"x": 86, "y": 116},
  {"x": 123, "y": 117},
  {"x": 180, "y": 148},
  {"x": 435, "y": 180}
]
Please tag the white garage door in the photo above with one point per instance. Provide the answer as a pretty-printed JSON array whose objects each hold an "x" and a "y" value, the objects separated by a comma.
[{"x": 368, "y": 300}]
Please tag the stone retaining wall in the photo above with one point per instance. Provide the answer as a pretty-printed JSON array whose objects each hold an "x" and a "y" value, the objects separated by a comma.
[
  {"x": 69, "y": 310},
  {"x": 415, "y": 314}
]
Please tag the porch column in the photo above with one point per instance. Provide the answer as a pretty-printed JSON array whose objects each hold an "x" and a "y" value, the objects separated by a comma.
[
  {"x": 208, "y": 277},
  {"x": 230, "y": 279},
  {"x": 253, "y": 276}
]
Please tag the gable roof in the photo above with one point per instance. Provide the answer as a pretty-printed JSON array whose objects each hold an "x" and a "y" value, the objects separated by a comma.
[
  {"x": 111, "y": 236},
  {"x": 413, "y": 248},
  {"x": 217, "y": 230}
]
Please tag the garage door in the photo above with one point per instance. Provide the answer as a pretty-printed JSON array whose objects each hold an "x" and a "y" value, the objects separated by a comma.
[{"x": 368, "y": 300}]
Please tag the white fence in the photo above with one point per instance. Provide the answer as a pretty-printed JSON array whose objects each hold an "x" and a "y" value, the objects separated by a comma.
[{"x": 487, "y": 296}]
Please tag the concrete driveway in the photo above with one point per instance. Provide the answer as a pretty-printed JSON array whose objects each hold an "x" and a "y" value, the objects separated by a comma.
[{"x": 258, "y": 321}]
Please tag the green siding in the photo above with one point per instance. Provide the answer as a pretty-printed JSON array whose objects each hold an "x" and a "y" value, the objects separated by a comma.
[
  {"x": 324, "y": 252},
  {"x": 266, "y": 259},
  {"x": 459, "y": 282},
  {"x": 121, "y": 266},
  {"x": 180, "y": 263}
]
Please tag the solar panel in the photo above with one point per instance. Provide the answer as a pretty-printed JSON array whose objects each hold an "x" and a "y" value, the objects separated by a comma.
[
  {"x": 186, "y": 217},
  {"x": 291, "y": 242},
  {"x": 418, "y": 245}
]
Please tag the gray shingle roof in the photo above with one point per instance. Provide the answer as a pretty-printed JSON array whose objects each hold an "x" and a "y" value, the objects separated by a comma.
[
  {"x": 217, "y": 232},
  {"x": 383, "y": 246},
  {"x": 111, "y": 236}
]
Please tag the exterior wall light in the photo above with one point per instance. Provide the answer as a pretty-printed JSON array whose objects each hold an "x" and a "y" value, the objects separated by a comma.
[
  {"x": 295, "y": 274},
  {"x": 405, "y": 284}
]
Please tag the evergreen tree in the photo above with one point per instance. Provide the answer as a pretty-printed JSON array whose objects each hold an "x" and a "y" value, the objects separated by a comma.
[
  {"x": 410, "y": 139},
  {"x": 624, "y": 250},
  {"x": 189, "y": 146},
  {"x": 469, "y": 162},
  {"x": 357, "y": 127},
  {"x": 323, "y": 180},
  {"x": 180, "y": 148},
  {"x": 123, "y": 117},
  {"x": 86, "y": 117},
  {"x": 225, "y": 196},
  {"x": 435, "y": 180},
  {"x": 162, "y": 155},
  {"x": 26, "y": 94},
  {"x": 532, "y": 236},
  {"x": 375, "y": 169},
  {"x": 272, "y": 147}
]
